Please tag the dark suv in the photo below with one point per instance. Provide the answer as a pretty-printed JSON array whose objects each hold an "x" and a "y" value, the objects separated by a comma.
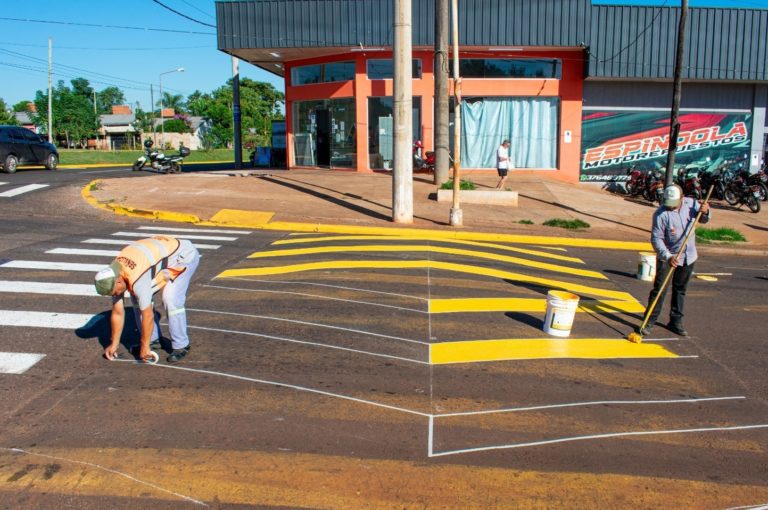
[{"x": 20, "y": 146}]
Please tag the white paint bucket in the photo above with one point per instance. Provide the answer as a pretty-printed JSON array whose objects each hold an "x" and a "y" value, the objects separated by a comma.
[
  {"x": 646, "y": 266},
  {"x": 561, "y": 309}
]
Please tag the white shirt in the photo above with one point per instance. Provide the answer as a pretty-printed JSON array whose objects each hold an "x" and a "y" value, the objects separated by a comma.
[{"x": 502, "y": 157}]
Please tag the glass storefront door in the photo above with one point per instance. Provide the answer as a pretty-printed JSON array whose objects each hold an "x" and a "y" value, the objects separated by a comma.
[
  {"x": 381, "y": 130},
  {"x": 324, "y": 133}
]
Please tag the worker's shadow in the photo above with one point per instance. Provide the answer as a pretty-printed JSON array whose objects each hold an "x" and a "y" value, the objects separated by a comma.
[{"x": 99, "y": 328}]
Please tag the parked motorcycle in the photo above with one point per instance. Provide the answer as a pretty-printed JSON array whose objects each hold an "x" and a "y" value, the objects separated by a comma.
[
  {"x": 422, "y": 163},
  {"x": 739, "y": 192},
  {"x": 688, "y": 179},
  {"x": 635, "y": 186},
  {"x": 716, "y": 180},
  {"x": 760, "y": 179},
  {"x": 159, "y": 161},
  {"x": 654, "y": 186}
]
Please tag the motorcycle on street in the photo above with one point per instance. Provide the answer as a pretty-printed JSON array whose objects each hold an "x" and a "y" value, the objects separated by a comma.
[{"x": 158, "y": 161}]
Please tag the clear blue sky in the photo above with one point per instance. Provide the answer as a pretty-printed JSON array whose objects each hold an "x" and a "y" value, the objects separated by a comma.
[{"x": 108, "y": 56}]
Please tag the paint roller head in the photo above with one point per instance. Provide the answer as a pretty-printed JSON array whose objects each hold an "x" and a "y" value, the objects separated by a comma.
[{"x": 635, "y": 337}]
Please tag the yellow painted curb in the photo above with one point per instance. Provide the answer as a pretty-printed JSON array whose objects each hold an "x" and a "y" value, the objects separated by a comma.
[
  {"x": 542, "y": 348},
  {"x": 130, "y": 211}
]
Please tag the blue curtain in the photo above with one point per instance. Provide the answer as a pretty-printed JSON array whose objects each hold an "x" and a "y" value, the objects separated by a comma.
[{"x": 529, "y": 123}]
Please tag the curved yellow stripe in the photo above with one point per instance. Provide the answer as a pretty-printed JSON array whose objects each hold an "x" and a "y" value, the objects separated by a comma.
[
  {"x": 431, "y": 249},
  {"x": 424, "y": 264},
  {"x": 542, "y": 348},
  {"x": 464, "y": 305},
  {"x": 495, "y": 246}
]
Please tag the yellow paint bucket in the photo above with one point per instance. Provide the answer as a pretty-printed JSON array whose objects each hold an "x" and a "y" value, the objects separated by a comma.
[
  {"x": 561, "y": 309},
  {"x": 646, "y": 266}
]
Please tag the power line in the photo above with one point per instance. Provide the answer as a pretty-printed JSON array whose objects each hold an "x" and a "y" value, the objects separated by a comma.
[
  {"x": 85, "y": 48},
  {"x": 198, "y": 9},
  {"x": 94, "y": 25},
  {"x": 182, "y": 15}
]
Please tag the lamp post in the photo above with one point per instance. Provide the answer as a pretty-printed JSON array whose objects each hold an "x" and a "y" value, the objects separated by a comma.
[{"x": 162, "y": 124}]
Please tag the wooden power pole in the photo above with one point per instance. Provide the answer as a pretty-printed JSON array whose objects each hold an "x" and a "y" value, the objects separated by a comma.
[{"x": 674, "y": 127}]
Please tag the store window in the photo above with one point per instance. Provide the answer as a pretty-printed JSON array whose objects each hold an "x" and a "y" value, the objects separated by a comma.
[
  {"x": 323, "y": 73},
  {"x": 510, "y": 68},
  {"x": 384, "y": 69},
  {"x": 381, "y": 139},
  {"x": 324, "y": 133},
  {"x": 530, "y": 123}
]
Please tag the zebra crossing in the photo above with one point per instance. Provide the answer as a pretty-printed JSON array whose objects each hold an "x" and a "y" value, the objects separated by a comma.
[
  {"x": 78, "y": 266},
  {"x": 20, "y": 190}
]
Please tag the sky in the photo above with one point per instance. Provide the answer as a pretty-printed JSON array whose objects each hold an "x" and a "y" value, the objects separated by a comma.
[
  {"x": 128, "y": 58},
  {"x": 129, "y": 43}
]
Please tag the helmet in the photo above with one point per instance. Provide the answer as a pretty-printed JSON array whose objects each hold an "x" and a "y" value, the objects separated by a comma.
[{"x": 148, "y": 143}]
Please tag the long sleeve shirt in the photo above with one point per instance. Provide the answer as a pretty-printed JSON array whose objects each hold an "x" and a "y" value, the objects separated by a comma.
[{"x": 669, "y": 229}]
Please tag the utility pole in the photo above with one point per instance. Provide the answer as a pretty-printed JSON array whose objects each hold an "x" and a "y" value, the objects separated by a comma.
[
  {"x": 238, "y": 133},
  {"x": 152, "y": 102},
  {"x": 674, "y": 128},
  {"x": 50, "y": 90},
  {"x": 457, "y": 216},
  {"x": 402, "y": 173},
  {"x": 442, "y": 133}
]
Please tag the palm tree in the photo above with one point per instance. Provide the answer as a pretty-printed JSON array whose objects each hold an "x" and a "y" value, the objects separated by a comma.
[{"x": 175, "y": 101}]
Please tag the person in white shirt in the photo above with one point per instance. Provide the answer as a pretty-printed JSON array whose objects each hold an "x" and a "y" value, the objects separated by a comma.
[{"x": 503, "y": 163}]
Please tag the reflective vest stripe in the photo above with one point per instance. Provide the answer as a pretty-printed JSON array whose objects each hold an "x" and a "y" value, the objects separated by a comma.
[{"x": 147, "y": 255}]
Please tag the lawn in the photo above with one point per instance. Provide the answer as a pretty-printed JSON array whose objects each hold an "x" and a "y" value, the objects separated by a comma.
[{"x": 92, "y": 157}]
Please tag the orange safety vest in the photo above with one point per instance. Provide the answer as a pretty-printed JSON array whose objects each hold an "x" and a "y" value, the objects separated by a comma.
[{"x": 148, "y": 255}]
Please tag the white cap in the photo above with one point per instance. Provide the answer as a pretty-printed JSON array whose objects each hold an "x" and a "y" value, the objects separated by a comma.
[{"x": 672, "y": 196}]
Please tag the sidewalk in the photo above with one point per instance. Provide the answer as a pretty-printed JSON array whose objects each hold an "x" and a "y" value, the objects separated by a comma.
[{"x": 354, "y": 199}]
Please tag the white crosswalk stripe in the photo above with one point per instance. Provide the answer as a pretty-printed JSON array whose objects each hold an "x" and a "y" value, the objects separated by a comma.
[
  {"x": 122, "y": 243},
  {"x": 47, "y": 319},
  {"x": 203, "y": 238},
  {"x": 22, "y": 189},
  {"x": 18, "y": 362},
  {"x": 203, "y": 230},
  {"x": 62, "y": 289},
  {"x": 81, "y": 251},
  {"x": 53, "y": 266}
]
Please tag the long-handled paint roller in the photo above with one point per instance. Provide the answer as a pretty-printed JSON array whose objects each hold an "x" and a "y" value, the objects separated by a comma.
[{"x": 635, "y": 336}]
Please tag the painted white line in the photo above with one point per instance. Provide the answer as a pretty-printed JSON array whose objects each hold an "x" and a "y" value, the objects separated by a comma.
[
  {"x": 203, "y": 230},
  {"x": 53, "y": 266},
  {"x": 64, "y": 289},
  {"x": 315, "y": 324},
  {"x": 320, "y": 297},
  {"x": 759, "y": 506},
  {"x": 22, "y": 189},
  {"x": 203, "y": 238},
  {"x": 356, "y": 289},
  {"x": 598, "y": 436},
  {"x": 596, "y": 403},
  {"x": 3, "y": 183},
  {"x": 18, "y": 362},
  {"x": 79, "y": 251},
  {"x": 108, "y": 470},
  {"x": 47, "y": 319},
  {"x": 123, "y": 243},
  {"x": 314, "y": 344},
  {"x": 293, "y": 387}
]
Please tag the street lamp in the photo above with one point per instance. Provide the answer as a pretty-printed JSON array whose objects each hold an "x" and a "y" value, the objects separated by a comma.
[{"x": 162, "y": 123}]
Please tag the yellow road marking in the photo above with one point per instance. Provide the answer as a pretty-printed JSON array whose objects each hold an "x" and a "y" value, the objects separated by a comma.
[
  {"x": 424, "y": 264},
  {"x": 504, "y": 247},
  {"x": 430, "y": 249},
  {"x": 460, "y": 305},
  {"x": 474, "y": 351},
  {"x": 239, "y": 217}
]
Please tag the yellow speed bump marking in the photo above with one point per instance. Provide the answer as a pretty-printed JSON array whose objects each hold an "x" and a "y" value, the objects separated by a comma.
[
  {"x": 460, "y": 305},
  {"x": 430, "y": 249},
  {"x": 427, "y": 264},
  {"x": 494, "y": 246},
  {"x": 542, "y": 348}
]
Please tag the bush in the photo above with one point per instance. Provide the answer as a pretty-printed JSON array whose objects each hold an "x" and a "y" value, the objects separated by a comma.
[
  {"x": 465, "y": 185},
  {"x": 571, "y": 224},
  {"x": 176, "y": 126},
  {"x": 730, "y": 235}
]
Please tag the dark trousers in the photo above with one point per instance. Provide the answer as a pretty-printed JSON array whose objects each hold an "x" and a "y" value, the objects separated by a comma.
[{"x": 679, "y": 285}]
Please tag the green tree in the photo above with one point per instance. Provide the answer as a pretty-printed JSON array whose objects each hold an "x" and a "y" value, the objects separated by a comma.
[
  {"x": 175, "y": 101},
  {"x": 73, "y": 117},
  {"x": 143, "y": 121},
  {"x": 6, "y": 117},
  {"x": 176, "y": 125},
  {"x": 107, "y": 98},
  {"x": 21, "y": 106}
]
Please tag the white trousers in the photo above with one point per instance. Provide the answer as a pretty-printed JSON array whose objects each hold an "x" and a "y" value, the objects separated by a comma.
[{"x": 174, "y": 300}]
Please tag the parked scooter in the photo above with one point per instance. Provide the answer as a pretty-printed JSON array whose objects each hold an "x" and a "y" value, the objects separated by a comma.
[
  {"x": 739, "y": 192},
  {"x": 159, "y": 161}
]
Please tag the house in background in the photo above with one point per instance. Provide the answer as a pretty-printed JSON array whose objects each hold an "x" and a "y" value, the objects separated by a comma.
[
  {"x": 117, "y": 130},
  {"x": 25, "y": 119},
  {"x": 194, "y": 140}
]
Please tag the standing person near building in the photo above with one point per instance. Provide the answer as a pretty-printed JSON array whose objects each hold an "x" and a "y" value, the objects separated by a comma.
[
  {"x": 503, "y": 163},
  {"x": 670, "y": 223},
  {"x": 143, "y": 268}
]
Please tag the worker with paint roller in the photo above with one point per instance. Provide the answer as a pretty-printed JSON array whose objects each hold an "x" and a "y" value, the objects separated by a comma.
[
  {"x": 671, "y": 222},
  {"x": 143, "y": 268}
]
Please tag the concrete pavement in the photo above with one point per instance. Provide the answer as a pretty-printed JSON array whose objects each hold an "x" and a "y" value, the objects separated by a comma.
[{"x": 309, "y": 199}]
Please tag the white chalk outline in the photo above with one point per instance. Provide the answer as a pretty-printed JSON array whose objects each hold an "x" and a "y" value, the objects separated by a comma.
[
  {"x": 108, "y": 470},
  {"x": 294, "y": 321}
]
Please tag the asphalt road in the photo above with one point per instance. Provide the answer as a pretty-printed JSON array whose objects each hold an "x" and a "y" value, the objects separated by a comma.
[{"x": 315, "y": 379}]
